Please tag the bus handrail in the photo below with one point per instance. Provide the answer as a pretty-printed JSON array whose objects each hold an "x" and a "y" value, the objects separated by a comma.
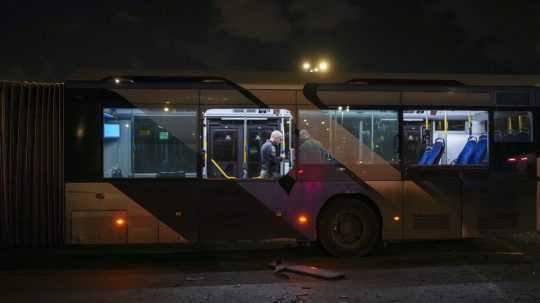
[{"x": 223, "y": 173}]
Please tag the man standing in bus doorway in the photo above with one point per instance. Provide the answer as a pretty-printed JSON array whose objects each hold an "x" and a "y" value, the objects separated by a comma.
[{"x": 270, "y": 160}]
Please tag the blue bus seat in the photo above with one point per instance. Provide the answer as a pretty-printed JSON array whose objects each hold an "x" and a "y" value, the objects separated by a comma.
[
  {"x": 467, "y": 151},
  {"x": 438, "y": 150},
  {"x": 480, "y": 150},
  {"x": 432, "y": 154},
  {"x": 425, "y": 156}
]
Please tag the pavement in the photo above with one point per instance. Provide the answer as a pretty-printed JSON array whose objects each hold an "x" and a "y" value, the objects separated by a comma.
[{"x": 480, "y": 270}]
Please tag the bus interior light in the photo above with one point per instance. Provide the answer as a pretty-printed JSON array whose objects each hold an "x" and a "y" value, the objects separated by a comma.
[
  {"x": 396, "y": 218},
  {"x": 302, "y": 219}
]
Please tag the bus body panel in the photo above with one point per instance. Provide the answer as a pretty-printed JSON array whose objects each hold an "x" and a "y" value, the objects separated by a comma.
[
  {"x": 92, "y": 211},
  {"x": 431, "y": 203}
]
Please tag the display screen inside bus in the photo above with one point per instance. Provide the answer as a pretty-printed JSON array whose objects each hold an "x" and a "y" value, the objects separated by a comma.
[{"x": 111, "y": 130}]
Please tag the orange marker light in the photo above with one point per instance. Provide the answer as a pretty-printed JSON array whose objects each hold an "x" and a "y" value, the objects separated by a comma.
[
  {"x": 396, "y": 218},
  {"x": 120, "y": 222},
  {"x": 302, "y": 219}
]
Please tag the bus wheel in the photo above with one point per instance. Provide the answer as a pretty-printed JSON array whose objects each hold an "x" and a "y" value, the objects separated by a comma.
[{"x": 348, "y": 227}]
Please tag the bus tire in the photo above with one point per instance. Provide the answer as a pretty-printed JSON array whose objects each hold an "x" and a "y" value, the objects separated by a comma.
[{"x": 348, "y": 227}]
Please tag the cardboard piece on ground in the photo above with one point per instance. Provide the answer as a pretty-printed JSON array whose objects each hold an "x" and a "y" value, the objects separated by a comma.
[{"x": 307, "y": 270}]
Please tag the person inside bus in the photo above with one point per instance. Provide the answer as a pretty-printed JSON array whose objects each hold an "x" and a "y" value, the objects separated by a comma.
[
  {"x": 311, "y": 151},
  {"x": 270, "y": 159}
]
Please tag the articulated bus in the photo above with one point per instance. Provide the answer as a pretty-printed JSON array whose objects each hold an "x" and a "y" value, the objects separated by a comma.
[{"x": 178, "y": 159}]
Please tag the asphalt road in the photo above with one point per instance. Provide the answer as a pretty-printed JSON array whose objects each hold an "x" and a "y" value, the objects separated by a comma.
[{"x": 492, "y": 270}]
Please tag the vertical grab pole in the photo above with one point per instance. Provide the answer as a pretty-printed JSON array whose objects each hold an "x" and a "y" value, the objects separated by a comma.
[
  {"x": 205, "y": 149},
  {"x": 372, "y": 138},
  {"x": 244, "y": 152},
  {"x": 284, "y": 141},
  {"x": 291, "y": 150},
  {"x": 445, "y": 137}
]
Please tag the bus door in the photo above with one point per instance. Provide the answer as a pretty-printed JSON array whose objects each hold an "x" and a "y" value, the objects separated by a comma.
[{"x": 225, "y": 148}]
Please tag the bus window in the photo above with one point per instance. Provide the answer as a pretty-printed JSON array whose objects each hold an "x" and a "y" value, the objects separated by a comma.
[
  {"x": 352, "y": 137},
  {"x": 364, "y": 143},
  {"x": 513, "y": 126},
  {"x": 445, "y": 137},
  {"x": 233, "y": 141},
  {"x": 149, "y": 142}
]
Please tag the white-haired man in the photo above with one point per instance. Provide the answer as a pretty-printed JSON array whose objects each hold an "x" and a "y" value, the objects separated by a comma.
[{"x": 270, "y": 158}]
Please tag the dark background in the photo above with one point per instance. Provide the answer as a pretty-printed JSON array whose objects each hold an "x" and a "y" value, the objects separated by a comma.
[{"x": 55, "y": 40}]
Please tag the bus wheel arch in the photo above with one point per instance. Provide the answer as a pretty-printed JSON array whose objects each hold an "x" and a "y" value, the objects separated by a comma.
[{"x": 362, "y": 212}]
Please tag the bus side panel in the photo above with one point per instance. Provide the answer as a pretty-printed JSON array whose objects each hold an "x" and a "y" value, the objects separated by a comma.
[
  {"x": 391, "y": 208},
  {"x": 243, "y": 210},
  {"x": 498, "y": 204},
  {"x": 99, "y": 213},
  {"x": 432, "y": 207}
]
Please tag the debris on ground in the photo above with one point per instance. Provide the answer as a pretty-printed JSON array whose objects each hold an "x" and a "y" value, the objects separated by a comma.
[
  {"x": 279, "y": 267},
  {"x": 196, "y": 278}
]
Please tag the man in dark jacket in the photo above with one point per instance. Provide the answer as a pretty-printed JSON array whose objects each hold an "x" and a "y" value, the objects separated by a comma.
[{"x": 270, "y": 158}]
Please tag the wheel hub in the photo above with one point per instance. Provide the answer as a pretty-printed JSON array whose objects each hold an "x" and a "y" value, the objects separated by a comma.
[{"x": 347, "y": 229}]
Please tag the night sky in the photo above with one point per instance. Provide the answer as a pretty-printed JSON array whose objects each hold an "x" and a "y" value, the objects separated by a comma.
[{"x": 53, "y": 40}]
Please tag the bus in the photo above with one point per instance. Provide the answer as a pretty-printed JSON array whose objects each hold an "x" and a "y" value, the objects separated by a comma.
[{"x": 154, "y": 160}]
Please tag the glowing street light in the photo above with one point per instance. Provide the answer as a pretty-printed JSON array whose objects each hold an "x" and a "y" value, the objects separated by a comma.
[{"x": 322, "y": 67}]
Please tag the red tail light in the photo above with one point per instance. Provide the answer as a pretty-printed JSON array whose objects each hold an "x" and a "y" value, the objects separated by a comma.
[{"x": 517, "y": 159}]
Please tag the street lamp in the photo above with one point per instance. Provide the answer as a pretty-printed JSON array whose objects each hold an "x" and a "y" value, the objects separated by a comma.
[{"x": 321, "y": 67}]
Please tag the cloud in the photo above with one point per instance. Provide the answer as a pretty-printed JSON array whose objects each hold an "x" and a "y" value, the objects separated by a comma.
[
  {"x": 126, "y": 17},
  {"x": 504, "y": 30},
  {"x": 323, "y": 15},
  {"x": 272, "y": 21},
  {"x": 262, "y": 20}
]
